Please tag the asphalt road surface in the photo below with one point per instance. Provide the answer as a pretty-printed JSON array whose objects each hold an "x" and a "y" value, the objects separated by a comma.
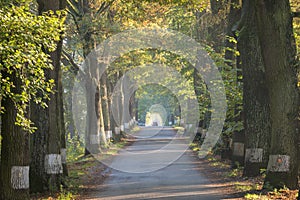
[{"x": 157, "y": 166}]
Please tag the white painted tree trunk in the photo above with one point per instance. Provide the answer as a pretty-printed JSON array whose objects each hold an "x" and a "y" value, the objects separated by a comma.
[
  {"x": 20, "y": 177},
  {"x": 95, "y": 139},
  {"x": 254, "y": 155},
  {"x": 238, "y": 149},
  {"x": 53, "y": 164},
  {"x": 117, "y": 130},
  {"x": 279, "y": 163},
  {"x": 63, "y": 153}
]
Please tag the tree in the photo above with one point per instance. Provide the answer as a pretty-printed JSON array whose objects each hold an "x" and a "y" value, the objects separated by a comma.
[
  {"x": 86, "y": 18},
  {"x": 46, "y": 143},
  {"x": 22, "y": 65},
  {"x": 275, "y": 33},
  {"x": 105, "y": 104},
  {"x": 230, "y": 45},
  {"x": 14, "y": 150},
  {"x": 255, "y": 94},
  {"x": 232, "y": 59}
]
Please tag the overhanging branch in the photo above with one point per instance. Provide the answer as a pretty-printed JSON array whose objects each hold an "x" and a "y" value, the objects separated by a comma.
[{"x": 75, "y": 68}]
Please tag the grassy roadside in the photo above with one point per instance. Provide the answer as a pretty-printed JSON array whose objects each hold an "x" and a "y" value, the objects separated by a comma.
[{"x": 238, "y": 186}]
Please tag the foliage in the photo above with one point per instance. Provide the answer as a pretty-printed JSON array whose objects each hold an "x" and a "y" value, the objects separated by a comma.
[
  {"x": 75, "y": 148},
  {"x": 169, "y": 14},
  {"x": 245, "y": 187},
  {"x": 23, "y": 39},
  {"x": 64, "y": 195},
  {"x": 179, "y": 16},
  {"x": 235, "y": 172},
  {"x": 255, "y": 196},
  {"x": 154, "y": 94},
  {"x": 233, "y": 89},
  {"x": 296, "y": 28},
  {"x": 234, "y": 96},
  {"x": 283, "y": 193}
]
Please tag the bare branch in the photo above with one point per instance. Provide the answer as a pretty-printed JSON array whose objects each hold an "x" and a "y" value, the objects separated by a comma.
[
  {"x": 103, "y": 7},
  {"x": 75, "y": 68}
]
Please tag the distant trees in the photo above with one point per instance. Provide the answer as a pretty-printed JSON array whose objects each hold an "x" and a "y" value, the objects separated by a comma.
[{"x": 86, "y": 15}]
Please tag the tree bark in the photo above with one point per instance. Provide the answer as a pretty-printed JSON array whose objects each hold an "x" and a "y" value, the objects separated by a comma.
[
  {"x": 216, "y": 6},
  {"x": 105, "y": 106},
  {"x": 198, "y": 91},
  {"x": 38, "y": 141},
  {"x": 68, "y": 96},
  {"x": 121, "y": 100},
  {"x": 274, "y": 23},
  {"x": 233, "y": 17},
  {"x": 14, "y": 168},
  {"x": 125, "y": 100},
  {"x": 255, "y": 95},
  {"x": 46, "y": 167},
  {"x": 100, "y": 119},
  {"x": 63, "y": 135},
  {"x": 114, "y": 109},
  {"x": 95, "y": 128}
]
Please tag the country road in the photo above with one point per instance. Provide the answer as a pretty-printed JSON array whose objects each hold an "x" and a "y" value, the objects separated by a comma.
[{"x": 156, "y": 166}]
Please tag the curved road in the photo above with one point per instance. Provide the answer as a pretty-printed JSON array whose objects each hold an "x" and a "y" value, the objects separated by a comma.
[{"x": 153, "y": 168}]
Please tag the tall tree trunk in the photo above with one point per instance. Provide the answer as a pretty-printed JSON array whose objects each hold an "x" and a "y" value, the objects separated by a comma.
[
  {"x": 198, "y": 91},
  {"x": 233, "y": 17},
  {"x": 53, "y": 157},
  {"x": 14, "y": 169},
  {"x": 38, "y": 141},
  {"x": 105, "y": 105},
  {"x": 95, "y": 133},
  {"x": 121, "y": 99},
  {"x": 46, "y": 141},
  {"x": 92, "y": 135},
  {"x": 61, "y": 124},
  {"x": 125, "y": 100},
  {"x": 68, "y": 96},
  {"x": 95, "y": 128},
  {"x": 255, "y": 95},
  {"x": 238, "y": 137},
  {"x": 275, "y": 33},
  {"x": 83, "y": 16},
  {"x": 110, "y": 105},
  {"x": 100, "y": 119},
  {"x": 133, "y": 107}
]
